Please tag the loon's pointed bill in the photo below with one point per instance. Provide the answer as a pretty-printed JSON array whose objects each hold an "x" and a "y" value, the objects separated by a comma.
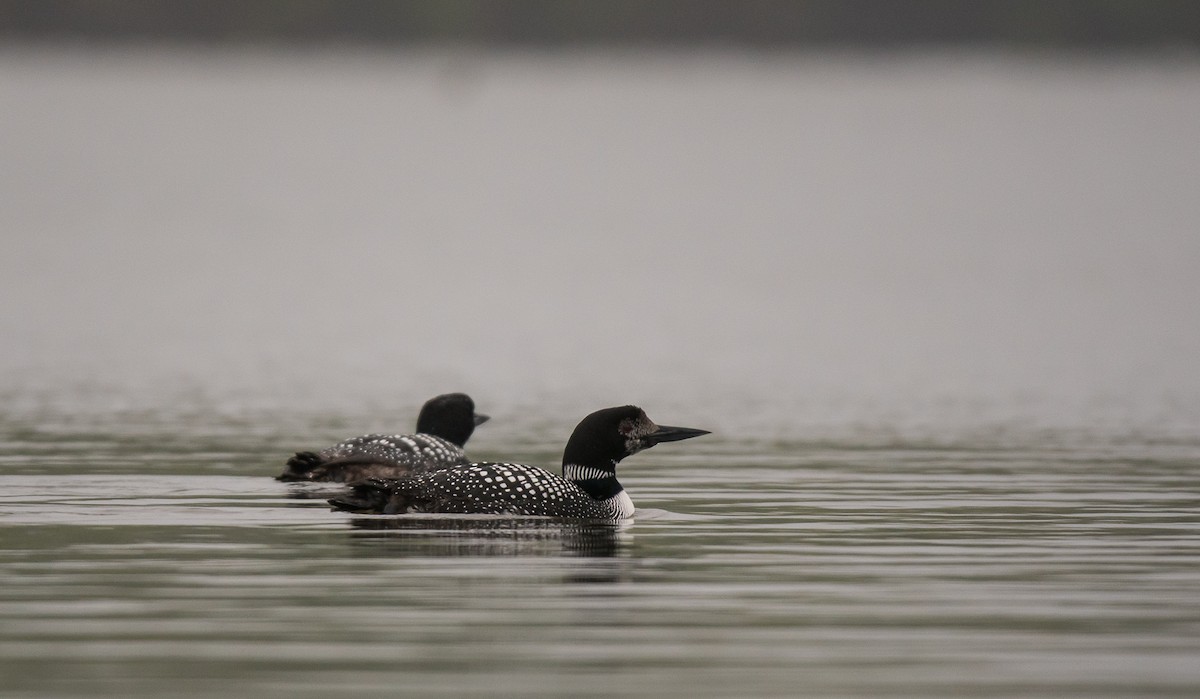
[
  {"x": 666, "y": 433},
  {"x": 480, "y": 418}
]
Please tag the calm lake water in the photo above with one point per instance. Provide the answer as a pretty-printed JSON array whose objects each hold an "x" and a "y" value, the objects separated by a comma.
[
  {"x": 150, "y": 555},
  {"x": 939, "y": 312}
]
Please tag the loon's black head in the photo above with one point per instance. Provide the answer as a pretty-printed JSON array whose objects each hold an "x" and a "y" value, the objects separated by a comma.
[
  {"x": 606, "y": 436},
  {"x": 450, "y": 416}
]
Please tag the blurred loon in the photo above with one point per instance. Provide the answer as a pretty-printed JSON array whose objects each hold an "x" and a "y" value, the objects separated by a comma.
[
  {"x": 587, "y": 489},
  {"x": 443, "y": 427}
]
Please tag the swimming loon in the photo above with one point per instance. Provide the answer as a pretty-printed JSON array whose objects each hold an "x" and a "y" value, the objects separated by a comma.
[
  {"x": 587, "y": 489},
  {"x": 443, "y": 427}
]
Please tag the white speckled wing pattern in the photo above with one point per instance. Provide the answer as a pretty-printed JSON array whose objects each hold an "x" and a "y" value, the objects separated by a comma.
[
  {"x": 504, "y": 489},
  {"x": 416, "y": 452}
]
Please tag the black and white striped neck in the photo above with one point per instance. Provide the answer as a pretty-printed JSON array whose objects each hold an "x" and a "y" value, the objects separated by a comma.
[
  {"x": 575, "y": 472},
  {"x": 598, "y": 482}
]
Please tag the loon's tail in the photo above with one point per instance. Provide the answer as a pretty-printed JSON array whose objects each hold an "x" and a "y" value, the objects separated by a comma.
[
  {"x": 301, "y": 466},
  {"x": 374, "y": 496}
]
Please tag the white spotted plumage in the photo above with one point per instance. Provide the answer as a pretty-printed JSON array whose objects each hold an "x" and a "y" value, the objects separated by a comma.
[
  {"x": 409, "y": 450},
  {"x": 506, "y": 489}
]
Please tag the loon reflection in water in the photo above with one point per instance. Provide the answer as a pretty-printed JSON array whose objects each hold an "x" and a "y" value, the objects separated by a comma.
[{"x": 491, "y": 536}]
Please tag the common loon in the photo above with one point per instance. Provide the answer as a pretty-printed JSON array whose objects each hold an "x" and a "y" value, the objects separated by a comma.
[
  {"x": 587, "y": 489},
  {"x": 443, "y": 427}
]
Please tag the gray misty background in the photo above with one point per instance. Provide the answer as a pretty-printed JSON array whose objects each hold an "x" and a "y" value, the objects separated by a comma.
[{"x": 905, "y": 213}]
